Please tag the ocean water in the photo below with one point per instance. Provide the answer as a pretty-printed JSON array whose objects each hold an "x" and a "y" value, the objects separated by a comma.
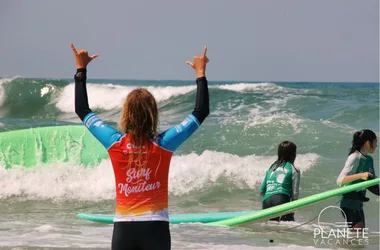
[{"x": 219, "y": 168}]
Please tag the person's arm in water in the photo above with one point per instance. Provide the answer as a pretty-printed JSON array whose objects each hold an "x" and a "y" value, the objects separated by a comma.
[
  {"x": 263, "y": 187},
  {"x": 348, "y": 173},
  {"x": 296, "y": 176},
  {"x": 104, "y": 133},
  {"x": 172, "y": 138}
]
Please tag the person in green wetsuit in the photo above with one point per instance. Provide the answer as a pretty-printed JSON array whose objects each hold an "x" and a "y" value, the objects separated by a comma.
[
  {"x": 281, "y": 181},
  {"x": 358, "y": 167}
]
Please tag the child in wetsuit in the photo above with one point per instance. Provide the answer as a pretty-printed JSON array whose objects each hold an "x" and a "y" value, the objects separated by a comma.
[
  {"x": 359, "y": 167},
  {"x": 281, "y": 182}
]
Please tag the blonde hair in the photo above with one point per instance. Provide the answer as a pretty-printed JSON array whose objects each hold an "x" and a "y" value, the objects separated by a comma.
[{"x": 139, "y": 117}]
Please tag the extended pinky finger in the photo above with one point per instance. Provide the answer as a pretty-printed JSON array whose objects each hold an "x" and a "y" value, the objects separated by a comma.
[
  {"x": 189, "y": 63},
  {"x": 94, "y": 56}
]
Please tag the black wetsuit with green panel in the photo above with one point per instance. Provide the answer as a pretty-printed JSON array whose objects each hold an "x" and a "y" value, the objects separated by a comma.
[
  {"x": 352, "y": 203},
  {"x": 280, "y": 185}
]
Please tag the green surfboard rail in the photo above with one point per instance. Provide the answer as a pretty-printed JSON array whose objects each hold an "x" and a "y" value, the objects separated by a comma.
[
  {"x": 35, "y": 146},
  {"x": 174, "y": 218},
  {"x": 291, "y": 206}
]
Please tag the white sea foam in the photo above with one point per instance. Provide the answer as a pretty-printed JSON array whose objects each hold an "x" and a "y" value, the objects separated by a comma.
[{"x": 188, "y": 173}]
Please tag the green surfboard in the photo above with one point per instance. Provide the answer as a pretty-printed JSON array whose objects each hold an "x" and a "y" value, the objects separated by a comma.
[
  {"x": 35, "y": 146},
  {"x": 282, "y": 209},
  {"x": 174, "y": 218}
]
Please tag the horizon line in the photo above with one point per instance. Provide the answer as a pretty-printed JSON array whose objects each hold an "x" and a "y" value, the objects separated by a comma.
[{"x": 189, "y": 80}]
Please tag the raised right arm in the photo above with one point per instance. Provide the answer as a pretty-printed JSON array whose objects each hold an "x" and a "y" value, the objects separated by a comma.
[{"x": 107, "y": 135}]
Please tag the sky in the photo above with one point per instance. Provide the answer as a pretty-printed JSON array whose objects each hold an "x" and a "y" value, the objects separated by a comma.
[{"x": 251, "y": 40}]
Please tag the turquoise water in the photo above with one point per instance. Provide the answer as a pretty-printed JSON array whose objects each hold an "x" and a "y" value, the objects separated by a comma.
[{"x": 217, "y": 169}]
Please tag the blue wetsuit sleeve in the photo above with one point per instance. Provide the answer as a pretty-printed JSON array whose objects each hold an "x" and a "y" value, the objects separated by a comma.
[
  {"x": 172, "y": 138},
  {"x": 106, "y": 134}
]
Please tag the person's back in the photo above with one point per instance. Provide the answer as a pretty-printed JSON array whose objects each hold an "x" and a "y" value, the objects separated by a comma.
[
  {"x": 141, "y": 171},
  {"x": 140, "y": 157},
  {"x": 281, "y": 181}
]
